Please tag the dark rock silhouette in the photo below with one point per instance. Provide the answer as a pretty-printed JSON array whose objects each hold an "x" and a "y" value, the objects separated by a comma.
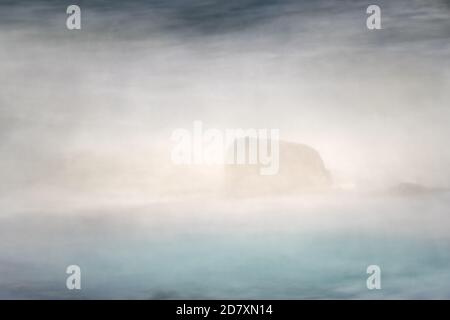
[
  {"x": 301, "y": 169},
  {"x": 413, "y": 189}
]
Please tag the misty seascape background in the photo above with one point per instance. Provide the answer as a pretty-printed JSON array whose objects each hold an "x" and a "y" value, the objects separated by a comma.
[{"x": 86, "y": 119}]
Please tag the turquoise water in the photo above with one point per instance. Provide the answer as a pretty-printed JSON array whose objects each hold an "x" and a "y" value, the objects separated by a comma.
[{"x": 315, "y": 248}]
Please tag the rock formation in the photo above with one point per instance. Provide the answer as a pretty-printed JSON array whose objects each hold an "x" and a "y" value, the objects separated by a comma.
[{"x": 301, "y": 169}]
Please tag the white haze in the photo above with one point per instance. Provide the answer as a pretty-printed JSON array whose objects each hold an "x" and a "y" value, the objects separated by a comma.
[{"x": 374, "y": 104}]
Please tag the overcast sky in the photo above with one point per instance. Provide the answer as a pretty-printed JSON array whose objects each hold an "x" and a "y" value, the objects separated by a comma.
[{"x": 374, "y": 103}]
